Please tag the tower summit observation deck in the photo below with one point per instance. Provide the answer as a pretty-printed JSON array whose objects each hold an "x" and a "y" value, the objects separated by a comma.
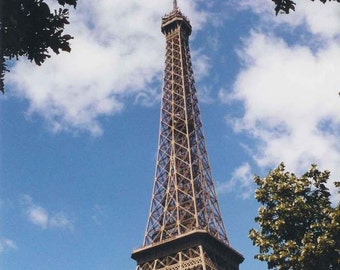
[{"x": 185, "y": 228}]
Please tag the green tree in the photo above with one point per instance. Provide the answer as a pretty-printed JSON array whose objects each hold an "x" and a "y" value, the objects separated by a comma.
[
  {"x": 285, "y": 6},
  {"x": 29, "y": 28},
  {"x": 299, "y": 227}
]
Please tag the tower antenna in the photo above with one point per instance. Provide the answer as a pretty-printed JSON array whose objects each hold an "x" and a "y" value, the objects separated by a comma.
[{"x": 175, "y": 5}]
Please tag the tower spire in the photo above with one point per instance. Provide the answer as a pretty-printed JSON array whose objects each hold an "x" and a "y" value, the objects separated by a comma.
[
  {"x": 175, "y": 6},
  {"x": 185, "y": 228}
]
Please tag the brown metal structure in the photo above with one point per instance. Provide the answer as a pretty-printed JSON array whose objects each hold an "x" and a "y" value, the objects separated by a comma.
[{"x": 185, "y": 228}]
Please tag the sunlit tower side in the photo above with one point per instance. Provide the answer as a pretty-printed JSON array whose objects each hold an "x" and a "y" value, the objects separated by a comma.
[{"x": 185, "y": 228}]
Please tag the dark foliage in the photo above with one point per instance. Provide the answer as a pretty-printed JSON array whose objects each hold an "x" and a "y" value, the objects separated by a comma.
[
  {"x": 29, "y": 28},
  {"x": 285, "y": 6}
]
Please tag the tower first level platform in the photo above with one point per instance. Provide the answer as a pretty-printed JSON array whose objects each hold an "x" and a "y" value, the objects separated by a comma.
[{"x": 195, "y": 250}]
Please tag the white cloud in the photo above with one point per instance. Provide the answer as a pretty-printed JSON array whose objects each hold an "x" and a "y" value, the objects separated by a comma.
[
  {"x": 242, "y": 178},
  {"x": 7, "y": 244},
  {"x": 291, "y": 103},
  {"x": 39, "y": 216},
  {"x": 289, "y": 88},
  {"x": 319, "y": 19},
  {"x": 60, "y": 220},
  {"x": 116, "y": 53},
  {"x": 97, "y": 214}
]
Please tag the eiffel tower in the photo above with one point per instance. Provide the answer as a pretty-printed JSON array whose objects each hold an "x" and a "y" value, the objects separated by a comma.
[{"x": 185, "y": 228}]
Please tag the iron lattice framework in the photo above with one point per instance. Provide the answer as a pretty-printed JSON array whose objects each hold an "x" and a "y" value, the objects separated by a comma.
[{"x": 185, "y": 228}]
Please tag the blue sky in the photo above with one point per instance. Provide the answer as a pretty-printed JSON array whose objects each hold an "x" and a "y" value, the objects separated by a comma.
[{"x": 79, "y": 134}]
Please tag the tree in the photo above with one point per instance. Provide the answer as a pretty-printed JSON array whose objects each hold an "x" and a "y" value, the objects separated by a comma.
[
  {"x": 285, "y": 6},
  {"x": 29, "y": 28},
  {"x": 299, "y": 228}
]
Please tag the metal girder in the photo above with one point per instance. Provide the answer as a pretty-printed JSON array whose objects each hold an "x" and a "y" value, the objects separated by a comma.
[
  {"x": 192, "y": 258},
  {"x": 184, "y": 196},
  {"x": 185, "y": 228}
]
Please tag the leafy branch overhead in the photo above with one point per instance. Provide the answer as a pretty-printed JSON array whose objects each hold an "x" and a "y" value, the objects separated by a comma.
[
  {"x": 29, "y": 28},
  {"x": 285, "y": 6}
]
